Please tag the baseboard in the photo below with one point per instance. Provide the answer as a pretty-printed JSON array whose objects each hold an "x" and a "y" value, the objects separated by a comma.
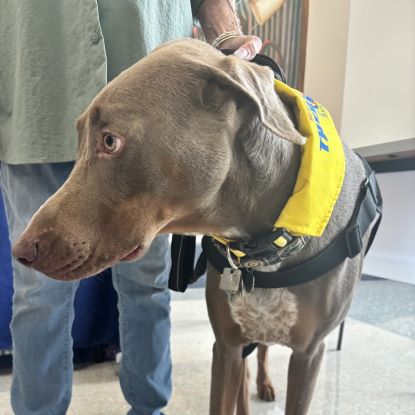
[{"x": 392, "y": 268}]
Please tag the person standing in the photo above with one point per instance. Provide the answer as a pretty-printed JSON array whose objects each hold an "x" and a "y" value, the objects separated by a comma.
[{"x": 56, "y": 56}]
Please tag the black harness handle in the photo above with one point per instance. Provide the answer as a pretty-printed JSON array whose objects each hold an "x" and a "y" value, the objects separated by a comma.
[{"x": 263, "y": 60}]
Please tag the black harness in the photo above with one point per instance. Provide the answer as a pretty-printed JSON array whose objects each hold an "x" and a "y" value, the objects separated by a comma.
[
  {"x": 262, "y": 251},
  {"x": 347, "y": 244}
]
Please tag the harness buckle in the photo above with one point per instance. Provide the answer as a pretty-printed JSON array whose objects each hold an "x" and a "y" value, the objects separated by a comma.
[
  {"x": 264, "y": 246},
  {"x": 370, "y": 184},
  {"x": 230, "y": 259},
  {"x": 353, "y": 237}
]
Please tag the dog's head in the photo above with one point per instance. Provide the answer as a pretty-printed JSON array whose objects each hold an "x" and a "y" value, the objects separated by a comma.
[{"x": 155, "y": 146}]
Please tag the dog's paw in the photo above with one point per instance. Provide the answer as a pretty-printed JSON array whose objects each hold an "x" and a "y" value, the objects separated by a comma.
[{"x": 266, "y": 391}]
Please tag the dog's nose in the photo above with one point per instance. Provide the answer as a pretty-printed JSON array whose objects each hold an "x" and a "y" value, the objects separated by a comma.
[{"x": 25, "y": 252}]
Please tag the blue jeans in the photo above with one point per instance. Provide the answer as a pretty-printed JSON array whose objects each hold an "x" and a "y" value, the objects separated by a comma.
[{"x": 43, "y": 313}]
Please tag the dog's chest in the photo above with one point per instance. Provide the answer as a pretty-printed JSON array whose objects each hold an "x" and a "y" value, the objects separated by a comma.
[{"x": 266, "y": 315}]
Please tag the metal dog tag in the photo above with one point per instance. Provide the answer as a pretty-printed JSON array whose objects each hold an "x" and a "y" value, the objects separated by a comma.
[{"x": 230, "y": 280}]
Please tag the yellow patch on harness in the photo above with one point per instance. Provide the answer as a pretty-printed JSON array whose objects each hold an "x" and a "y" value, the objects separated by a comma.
[{"x": 321, "y": 173}]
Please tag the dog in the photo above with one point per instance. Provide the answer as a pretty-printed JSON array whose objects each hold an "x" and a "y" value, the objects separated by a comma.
[{"x": 190, "y": 141}]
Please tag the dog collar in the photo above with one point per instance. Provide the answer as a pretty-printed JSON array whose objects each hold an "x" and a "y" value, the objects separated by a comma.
[{"x": 318, "y": 185}]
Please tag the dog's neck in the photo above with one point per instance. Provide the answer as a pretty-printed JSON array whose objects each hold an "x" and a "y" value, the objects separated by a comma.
[{"x": 259, "y": 183}]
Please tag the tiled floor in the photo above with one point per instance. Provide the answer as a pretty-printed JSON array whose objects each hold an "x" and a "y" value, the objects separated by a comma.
[{"x": 373, "y": 374}]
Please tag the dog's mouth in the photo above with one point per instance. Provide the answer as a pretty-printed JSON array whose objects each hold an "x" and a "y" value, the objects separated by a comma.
[
  {"x": 88, "y": 267},
  {"x": 134, "y": 254}
]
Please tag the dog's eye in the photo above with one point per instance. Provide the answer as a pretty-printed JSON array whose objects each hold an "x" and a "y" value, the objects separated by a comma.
[{"x": 111, "y": 143}]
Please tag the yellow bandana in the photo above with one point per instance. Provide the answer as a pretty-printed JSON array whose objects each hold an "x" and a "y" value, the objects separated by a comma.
[{"x": 321, "y": 173}]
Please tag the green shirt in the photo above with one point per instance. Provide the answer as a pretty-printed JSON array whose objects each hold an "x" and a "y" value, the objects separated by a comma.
[{"x": 55, "y": 56}]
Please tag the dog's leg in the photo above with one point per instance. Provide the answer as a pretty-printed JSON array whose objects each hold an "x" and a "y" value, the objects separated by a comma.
[
  {"x": 302, "y": 375},
  {"x": 264, "y": 386},
  {"x": 228, "y": 367},
  {"x": 243, "y": 403},
  {"x": 228, "y": 373}
]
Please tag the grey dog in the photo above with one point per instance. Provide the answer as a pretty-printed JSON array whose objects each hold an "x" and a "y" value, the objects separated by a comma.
[{"x": 190, "y": 141}]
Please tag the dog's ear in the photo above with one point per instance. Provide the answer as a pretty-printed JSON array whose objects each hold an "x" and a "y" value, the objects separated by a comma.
[{"x": 255, "y": 82}]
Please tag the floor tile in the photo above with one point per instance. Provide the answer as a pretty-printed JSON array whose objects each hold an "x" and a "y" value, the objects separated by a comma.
[{"x": 373, "y": 374}]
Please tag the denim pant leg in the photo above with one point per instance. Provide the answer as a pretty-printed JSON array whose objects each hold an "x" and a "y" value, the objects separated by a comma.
[
  {"x": 144, "y": 305},
  {"x": 42, "y": 308}
]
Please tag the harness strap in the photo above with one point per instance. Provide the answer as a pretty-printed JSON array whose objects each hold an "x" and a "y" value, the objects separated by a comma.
[
  {"x": 183, "y": 250},
  {"x": 263, "y": 60},
  {"x": 248, "y": 349},
  {"x": 346, "y": 244}
]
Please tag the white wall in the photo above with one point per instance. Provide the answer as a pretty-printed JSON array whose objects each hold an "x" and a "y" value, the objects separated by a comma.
[
  {"x": 379, "y": 89},
  {"x": 360, "y": 64},
  {"x": 392, "y": 254},
  {"x": 325, "y": 65}
]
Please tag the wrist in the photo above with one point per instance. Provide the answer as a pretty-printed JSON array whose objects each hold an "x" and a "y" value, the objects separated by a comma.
[
  {"x": 224, "y": 37},
  {"x": 218, "y": 17}
]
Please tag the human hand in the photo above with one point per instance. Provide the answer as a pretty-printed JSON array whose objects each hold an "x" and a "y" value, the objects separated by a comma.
[{"x": 245, "y": 46}]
